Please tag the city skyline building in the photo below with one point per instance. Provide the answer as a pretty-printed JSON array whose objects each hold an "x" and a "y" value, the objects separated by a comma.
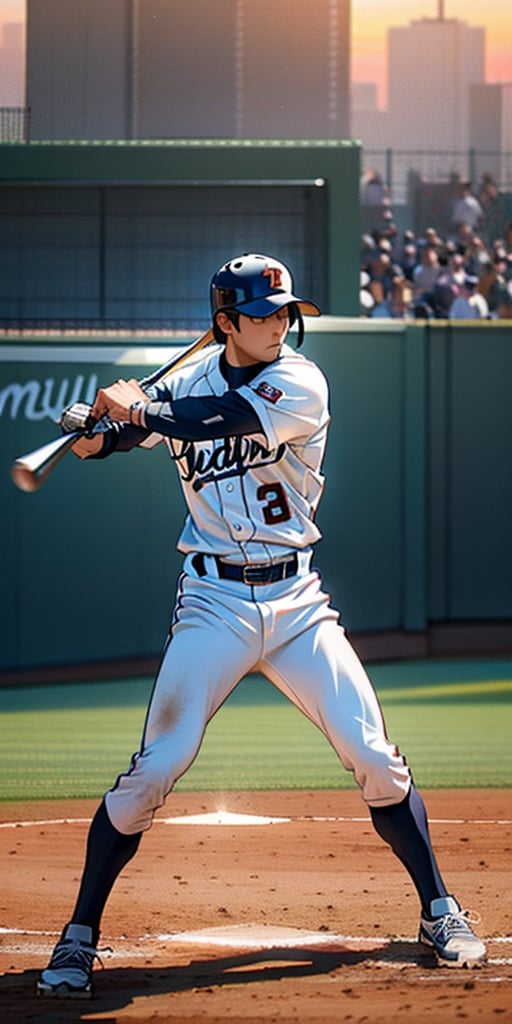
[
  {"x": 12, "y": 58},
  {"x": 432, "y": 63},
  {"x": 133, "y": 74},
  {"x": 442, "y": 119},
  {"x": 490, "y": 127},
  {"x": 207, "y": 69}
]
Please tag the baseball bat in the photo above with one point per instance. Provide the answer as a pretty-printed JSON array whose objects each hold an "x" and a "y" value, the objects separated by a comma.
[{"x": 30, "y": 471}]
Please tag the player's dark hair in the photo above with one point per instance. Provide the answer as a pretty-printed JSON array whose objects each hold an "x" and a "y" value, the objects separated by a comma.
[
  {"x": 218, "y": 333},
  {"x": 234, "y": 316}
]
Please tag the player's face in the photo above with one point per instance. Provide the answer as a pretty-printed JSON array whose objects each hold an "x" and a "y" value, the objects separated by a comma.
[{"x": 257, "y": 340}]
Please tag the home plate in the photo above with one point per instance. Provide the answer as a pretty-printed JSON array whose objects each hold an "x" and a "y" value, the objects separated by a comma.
[
  {"x": 224, "y": 818},
  {"x": 253, "y": 936}
]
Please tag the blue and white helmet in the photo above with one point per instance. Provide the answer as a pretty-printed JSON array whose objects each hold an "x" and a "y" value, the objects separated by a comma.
[{"x": 256, "y": 285}]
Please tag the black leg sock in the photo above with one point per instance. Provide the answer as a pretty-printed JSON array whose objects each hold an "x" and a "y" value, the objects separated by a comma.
[
  {"x": 405, "y": 827},
  {"x": 108, "y": 851}
]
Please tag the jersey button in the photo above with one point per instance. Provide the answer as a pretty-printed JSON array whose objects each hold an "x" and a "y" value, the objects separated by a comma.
[
  {"x": 230, "y": 487},
  {"x": 237, "y": 527}
]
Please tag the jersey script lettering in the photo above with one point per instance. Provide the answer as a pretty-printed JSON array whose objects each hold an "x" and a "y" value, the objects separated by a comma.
[{"x": 232, "y": 456}]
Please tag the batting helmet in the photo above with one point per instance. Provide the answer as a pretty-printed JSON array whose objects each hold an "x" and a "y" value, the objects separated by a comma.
[{"x": 257, "y": 285}]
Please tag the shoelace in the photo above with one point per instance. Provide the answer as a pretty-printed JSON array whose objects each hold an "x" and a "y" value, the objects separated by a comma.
[
  {"x": 73, "y": 953},
  {"x": 455, "y": 924}
]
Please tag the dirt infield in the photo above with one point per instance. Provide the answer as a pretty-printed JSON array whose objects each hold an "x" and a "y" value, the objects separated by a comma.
[{"x": 238, "y": 916}]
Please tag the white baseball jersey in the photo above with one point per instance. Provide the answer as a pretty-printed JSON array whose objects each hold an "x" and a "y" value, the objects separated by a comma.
[
  {"x": 248, "y": 442},
  {"x": 253, "y": 498}
]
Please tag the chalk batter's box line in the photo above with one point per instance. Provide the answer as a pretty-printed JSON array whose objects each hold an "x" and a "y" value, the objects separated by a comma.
[{"x": 229, "y": 820}]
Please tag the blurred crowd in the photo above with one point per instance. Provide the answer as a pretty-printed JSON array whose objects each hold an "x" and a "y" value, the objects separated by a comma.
[{"x": 466, "y": 274}]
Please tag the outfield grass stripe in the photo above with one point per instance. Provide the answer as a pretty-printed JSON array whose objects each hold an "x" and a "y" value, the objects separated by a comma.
[
  {"x": 485, "y": 687},
  {"x": 73, "y": 741}
]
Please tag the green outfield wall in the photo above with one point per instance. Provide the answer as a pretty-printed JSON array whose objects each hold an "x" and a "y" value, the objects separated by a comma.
[
  {"x": 110, "y": 246},
  {"x": 416, "y": 512}
]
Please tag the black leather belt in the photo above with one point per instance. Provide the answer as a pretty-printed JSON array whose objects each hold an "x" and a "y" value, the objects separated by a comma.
[{"x": 256, "y": 575}]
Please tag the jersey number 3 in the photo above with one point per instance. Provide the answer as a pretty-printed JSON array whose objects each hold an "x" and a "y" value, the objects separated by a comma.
[{"x": 275, "y": 509}]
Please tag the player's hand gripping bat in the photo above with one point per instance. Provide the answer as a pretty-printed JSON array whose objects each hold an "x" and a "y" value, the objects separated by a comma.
[{"x": 30, "y": 471}]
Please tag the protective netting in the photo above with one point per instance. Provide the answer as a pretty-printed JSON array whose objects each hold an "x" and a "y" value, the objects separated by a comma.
[{"x": 143, "y": 256}]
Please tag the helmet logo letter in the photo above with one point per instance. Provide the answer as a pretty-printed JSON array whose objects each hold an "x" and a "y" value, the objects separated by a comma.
[{"x": 275, "y": 274}]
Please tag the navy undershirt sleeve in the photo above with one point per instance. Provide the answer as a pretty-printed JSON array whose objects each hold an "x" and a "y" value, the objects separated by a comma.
[
  {"x": 197, "y": 418},
  {"x": 204, "y": 417}
]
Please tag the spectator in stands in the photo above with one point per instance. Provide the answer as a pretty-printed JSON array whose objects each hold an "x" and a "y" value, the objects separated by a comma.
[
  {"x": 492, "y": 286},
  {"x": 409, "y": 260},
  {"x": 408, "y": 238},
  {"x": 450, "y": 247},
  {"x": 501, "y": 269},
  {"x": 499, "y": 250},
  {"x": 504, "y": 307},
  {"x": 466, "y": 211},
  {"x": 381, "y": 271},
  {"x": 475, "y": 255},
  {"x": 380, "y": 299},
  {"x": 397, "y": 304},
  {"x": 425, "y": 275},
  {"x": 446, "y": 288},
  {"x": 387, "y": 229},
  {"x": 432, "y": 238},
  {"x": 502, "y": 261},
  {"x": 374, "y": 196},
  {"x": 401, "y": 298},
  {"x": 488, "y": 196},
  {"x": 465, "y": 238},
  {"x": 373, "y": 189},
  {"x": 438, "y": 271},
  {"x": 422, "y": 311},
  {"x": 457, "y": 268},
  {"x": 469, "y": 305},
  {"x": 479, "y": 302},
  {"x": 507, "y": 241}
]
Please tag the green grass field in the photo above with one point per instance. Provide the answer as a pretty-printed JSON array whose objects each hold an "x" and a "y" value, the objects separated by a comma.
[{"x": 452, "y": 719}]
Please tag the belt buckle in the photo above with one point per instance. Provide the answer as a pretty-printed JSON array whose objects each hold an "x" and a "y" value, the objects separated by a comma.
[{"x": 255, "y": 575}]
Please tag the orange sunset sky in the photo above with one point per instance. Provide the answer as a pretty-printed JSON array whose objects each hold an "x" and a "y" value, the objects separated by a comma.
[{"x": 371, "y": 19}]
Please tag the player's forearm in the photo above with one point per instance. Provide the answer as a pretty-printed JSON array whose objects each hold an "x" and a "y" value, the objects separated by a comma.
[
  {"x": 118, "y": 437},
  {"x": 202, "y": 418}
]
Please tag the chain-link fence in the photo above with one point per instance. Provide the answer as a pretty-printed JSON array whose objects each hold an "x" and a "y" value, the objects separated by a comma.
[
  {"x": 435, "y": 166},
  {"x": 14, "y": 124}
]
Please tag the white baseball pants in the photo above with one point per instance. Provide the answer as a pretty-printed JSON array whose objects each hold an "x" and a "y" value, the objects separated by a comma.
[{"x": 224, "y": 630}]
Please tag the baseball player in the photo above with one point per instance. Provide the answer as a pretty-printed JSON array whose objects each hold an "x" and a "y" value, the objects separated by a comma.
[{"x": 245, "y": 423}]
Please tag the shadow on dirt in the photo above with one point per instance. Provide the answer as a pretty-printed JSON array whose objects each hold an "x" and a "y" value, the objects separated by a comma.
[{"x": 118, "y": 987}]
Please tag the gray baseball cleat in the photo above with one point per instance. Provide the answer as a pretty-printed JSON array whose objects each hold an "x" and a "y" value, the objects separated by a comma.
[
  {"x": 450, "y": 936},
  {"x": 69, "y": 973}
]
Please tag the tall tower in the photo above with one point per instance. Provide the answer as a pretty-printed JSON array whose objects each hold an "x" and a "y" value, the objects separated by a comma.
[{"x": 432, "y": 63}]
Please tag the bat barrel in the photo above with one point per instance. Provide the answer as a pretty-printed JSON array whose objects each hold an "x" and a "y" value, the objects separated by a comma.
[{"x": 29, "y": 472}]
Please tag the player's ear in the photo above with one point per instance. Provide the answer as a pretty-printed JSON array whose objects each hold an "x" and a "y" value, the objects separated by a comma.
[
  {"x": 224, "y": 322},
  {"x": 218, "y": 333}
]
